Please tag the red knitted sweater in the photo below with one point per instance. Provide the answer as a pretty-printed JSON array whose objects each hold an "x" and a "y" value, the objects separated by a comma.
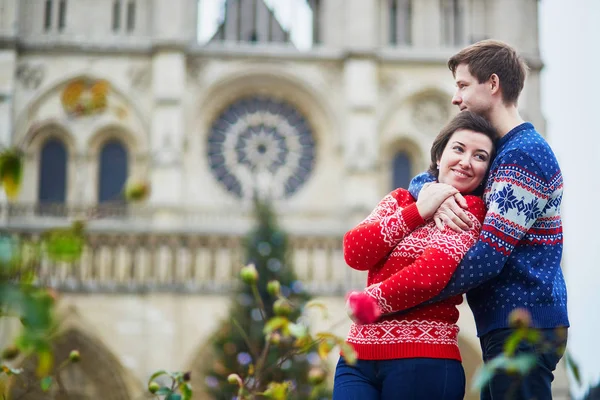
[{"x": 409, "y": 262}]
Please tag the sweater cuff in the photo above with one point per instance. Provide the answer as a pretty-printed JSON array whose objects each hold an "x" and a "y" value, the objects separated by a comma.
[{"x": 411, "y": 217}]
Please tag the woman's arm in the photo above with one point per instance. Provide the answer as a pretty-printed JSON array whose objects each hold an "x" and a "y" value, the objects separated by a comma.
[
  {"x": 431, "y": 272},
  {"x": 395, "y": 216}
]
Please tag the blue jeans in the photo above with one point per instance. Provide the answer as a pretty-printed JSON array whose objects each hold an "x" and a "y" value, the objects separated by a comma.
[
  {"x": 399, "y": 379},
  {"x": 536, "y": 385}
]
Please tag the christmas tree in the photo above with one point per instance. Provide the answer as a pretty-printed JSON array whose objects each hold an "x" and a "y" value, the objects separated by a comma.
[{"x": 271, "y": 297}]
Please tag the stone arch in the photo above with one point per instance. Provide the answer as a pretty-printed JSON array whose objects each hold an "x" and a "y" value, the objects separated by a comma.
[
  {"x": 32, "y": 144},
  {"x": 135, "y": 143},
  {"x": 35, "y": 137},
  {"x": 98, "y": 375},
  {"x": 22, "y": 121},
  {"x": 405, "y": 101},
  {"x": 270, "y": 81}
]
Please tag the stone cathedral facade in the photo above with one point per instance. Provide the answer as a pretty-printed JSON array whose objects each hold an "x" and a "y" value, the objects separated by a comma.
[{"x": 323, "y": 106}]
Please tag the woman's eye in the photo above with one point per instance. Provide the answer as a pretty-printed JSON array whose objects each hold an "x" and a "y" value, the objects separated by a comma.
[
  {"x": 481, "y": 157},
  {"x": 458, "y": 148}
]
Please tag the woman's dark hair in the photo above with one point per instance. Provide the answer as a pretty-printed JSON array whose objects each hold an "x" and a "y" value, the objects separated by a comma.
[{"x": 465, "y": 120}]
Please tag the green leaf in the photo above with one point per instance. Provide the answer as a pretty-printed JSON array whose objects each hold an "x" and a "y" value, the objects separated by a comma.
[
  {"x": 534, "y": 336},
  {"x": 186, "y": 391},
  {"x": 324, "y": 348},
  {"x": 483, "y": 376},
  {"x": 298, "y": 330},
  {"x": 46, "y": 383},
  {"x": 64, "y": 245},
  {"x": 520, "y": 364},
  {"x": 173, "y": 396},
  {"x": 164, "y": 391},
  {"x": 348, "y": 352},
  {"x": 156, "y": 375},
  {"x": 277, "y": 390},
  {"x": 274, "y": 324},
  {"x": 318, "y": 304},
  {"x": 511, "y": 344},
  {"x": 573, "y": 367}
]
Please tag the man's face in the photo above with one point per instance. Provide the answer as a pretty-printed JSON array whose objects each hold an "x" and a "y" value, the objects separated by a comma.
[{"x": 470, "y": 94}]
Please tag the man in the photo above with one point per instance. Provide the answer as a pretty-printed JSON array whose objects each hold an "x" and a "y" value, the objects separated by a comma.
[{"x": 516, "y": 260}]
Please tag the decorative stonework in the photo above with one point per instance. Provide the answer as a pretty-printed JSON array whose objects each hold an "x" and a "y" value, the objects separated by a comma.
[
  {"x": 83, "y": 97},
  {"x": 262, "y": 145},
  {"x": 140, "y": 77},
  {"x": 30, "y": 76},
  {"x": 429, "y": 113}
]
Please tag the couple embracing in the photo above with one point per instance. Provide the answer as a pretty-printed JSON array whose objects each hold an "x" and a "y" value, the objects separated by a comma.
[{"x": 483, "y": 220}]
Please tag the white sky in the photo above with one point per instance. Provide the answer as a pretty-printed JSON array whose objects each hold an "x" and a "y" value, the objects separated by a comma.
[
  {"x": 294, "y": 16},
  {"x": 569, "y": 34}
]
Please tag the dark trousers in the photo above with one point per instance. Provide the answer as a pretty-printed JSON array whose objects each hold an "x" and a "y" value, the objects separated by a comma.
[
  {"x": 399, "y": 379},
  {"x": 536, "y": 385}
]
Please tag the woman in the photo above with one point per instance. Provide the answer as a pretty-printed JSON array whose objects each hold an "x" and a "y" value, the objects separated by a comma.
[{"x": 409, "y": 260}]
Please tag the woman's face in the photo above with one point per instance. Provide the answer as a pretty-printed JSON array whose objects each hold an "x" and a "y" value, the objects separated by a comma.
[{"x": 465, "y": 160}]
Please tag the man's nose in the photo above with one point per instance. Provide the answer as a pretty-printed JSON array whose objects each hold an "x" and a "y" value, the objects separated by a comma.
[{"x": 456, "y": 99}]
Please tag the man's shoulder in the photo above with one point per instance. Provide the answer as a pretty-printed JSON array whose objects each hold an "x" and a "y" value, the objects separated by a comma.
[{"x": 530, "y": 150}]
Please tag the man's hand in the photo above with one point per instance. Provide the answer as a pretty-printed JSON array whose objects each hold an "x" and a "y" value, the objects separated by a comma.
[
  {"x": 451, "y": 213},
  {"x": 432, "y": 196}
]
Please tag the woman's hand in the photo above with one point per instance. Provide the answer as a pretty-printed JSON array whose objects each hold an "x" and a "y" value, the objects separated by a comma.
[
  {"x": 432, "y": 196},
  {"x": 362, "y": 308}
]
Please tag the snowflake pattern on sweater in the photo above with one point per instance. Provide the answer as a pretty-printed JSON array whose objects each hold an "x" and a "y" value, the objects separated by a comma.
[
  {"x": 409, "y": 261},
  {"x": 516, "y": 260}
]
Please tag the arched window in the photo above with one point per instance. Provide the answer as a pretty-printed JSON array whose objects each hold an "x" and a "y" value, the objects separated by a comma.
[
  {"x": 401, "y": 171},
  {"x": 53, "y": 172},
  {"x": 113, "y": 171}
]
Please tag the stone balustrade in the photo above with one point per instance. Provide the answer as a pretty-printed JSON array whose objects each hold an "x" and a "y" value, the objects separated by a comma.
[{"x": 129, "y": 257}]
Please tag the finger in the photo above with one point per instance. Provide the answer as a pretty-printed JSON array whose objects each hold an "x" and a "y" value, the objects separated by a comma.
[
  {"x": 460, "y": 223},
  {"x": 461, "y": 200},
  {"x": 458, "y": 212},
  {"x": 449, "y": 223},
  {"x": 438, "y": 223},
  {"x": 453, "y": 221}
]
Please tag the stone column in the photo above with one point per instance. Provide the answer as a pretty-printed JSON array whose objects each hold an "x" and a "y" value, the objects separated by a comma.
[
  {"x": 360, "y": 136},
  {"x": 167, "y": 131},
  {"x": 8, "y": 61},
  {"x": 427, "y": 23},
  {"x": 361, "y": 139}
]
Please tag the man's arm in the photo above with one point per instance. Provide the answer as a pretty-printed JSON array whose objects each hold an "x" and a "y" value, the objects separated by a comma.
[
  {"x": 517, "y": 198},
  {"x": 417, "y": 183}
]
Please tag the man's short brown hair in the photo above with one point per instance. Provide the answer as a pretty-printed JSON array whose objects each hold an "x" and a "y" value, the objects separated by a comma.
[{"x": 489, "y": 57}]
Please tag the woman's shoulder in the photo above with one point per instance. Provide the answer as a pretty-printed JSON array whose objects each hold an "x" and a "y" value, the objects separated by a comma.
[
  {"x": 476, "y": 206},
  {"x": 402, "y": 196}
]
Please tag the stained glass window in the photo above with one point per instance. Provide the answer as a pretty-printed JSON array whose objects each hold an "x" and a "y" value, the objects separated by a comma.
[
  {"x": 53, "y": 172},
  {"x": 113, "y": 171},
  {"x": 401, "y": 171},
  {"x": 261, "y": 145}
]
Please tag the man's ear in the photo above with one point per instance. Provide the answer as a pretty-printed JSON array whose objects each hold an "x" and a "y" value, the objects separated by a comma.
[{"x": 494, "y": 83}]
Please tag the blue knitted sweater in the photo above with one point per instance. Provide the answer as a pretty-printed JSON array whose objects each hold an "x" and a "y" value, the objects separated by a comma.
[{"x": 516, "y": 261}]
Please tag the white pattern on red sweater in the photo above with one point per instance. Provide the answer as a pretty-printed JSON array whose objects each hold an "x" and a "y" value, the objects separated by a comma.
[{"x": 409, "y": 261}]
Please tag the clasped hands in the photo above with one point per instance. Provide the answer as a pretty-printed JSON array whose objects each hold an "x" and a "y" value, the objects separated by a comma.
[{"x": 445, "y": 205}]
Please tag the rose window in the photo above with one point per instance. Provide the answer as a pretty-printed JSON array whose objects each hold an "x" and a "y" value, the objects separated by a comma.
[{"x": 261, "y": 145}]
